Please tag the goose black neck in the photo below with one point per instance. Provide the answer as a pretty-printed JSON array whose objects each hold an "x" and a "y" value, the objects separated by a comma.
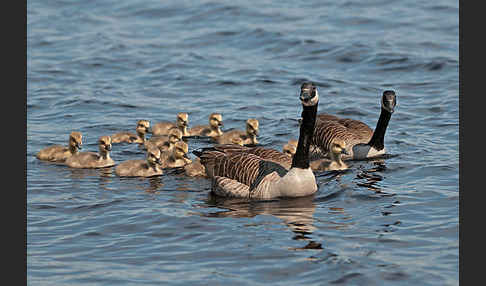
[
  {"x": 377, "y": 141},
  {"x": 301, "y": 156}
]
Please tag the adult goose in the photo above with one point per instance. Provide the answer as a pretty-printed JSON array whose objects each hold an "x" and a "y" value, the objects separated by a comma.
[
  {"x": 361, "y": 141},
  {"x": 59, "y": 153},
  {"x": 246, "y": 175}
]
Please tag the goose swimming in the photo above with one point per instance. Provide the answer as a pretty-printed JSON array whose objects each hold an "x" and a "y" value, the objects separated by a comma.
[{"x": 246, "y": 175}]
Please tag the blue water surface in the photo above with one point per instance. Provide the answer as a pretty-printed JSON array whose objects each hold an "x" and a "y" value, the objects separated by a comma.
[{"x": 99, "y": 66}]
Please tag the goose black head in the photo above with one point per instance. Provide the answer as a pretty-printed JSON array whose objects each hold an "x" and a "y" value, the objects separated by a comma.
[
  {"x": 389, "y": 101},
  {"x": 308, "y": 94}
]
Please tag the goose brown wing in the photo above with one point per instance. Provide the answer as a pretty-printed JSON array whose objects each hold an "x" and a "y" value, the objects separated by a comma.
[
  {"x": 264, "y": 153},
  {"x": 326, "y": 131},
  {"x": 360, "y": 129},
  {"x": 246, "y": 168},
  {"x": 325, "y": 117}
]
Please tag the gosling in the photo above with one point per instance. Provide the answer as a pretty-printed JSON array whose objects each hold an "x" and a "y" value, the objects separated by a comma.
[
  {"x": 177, "y": 157},
  {"x": 59, "y": 153},
  {"x": 165, "y": 143},
  {"x": 91, "y": 159},
  {"x": 143, "y": 127},
  {"x": 338, "y": 148},
  {"x": 142, "y": 168},
  {"x": 162, "y": 128},
  {"x": 195, "y": 169},
  {"x": 290, "y": 148},
  {"x": 211, "y": 130},
  {"x": 249, "y": 137}
]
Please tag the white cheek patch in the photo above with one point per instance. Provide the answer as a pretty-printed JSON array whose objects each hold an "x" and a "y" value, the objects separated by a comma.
[{"x": 313, "y": 101}]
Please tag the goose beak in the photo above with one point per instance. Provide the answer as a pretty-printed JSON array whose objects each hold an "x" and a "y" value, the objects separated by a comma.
[
  {"x": 158, "y": 161},
  {"x": 220, "y": 124},
  {"x": 108, "y": 147},
  {"x": 306, "y": 95},
  {"x": 149, "y": 130},
  {"x": 345, "y": 152},
  {"x": 79, "y": 146}
]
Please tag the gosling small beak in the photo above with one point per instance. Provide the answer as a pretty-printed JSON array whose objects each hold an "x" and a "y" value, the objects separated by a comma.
[
  {"x": 345, "y": 152},
  {"x": 220, "y": 124},
  {"x": 108, "y": 147},
  {"x": 79, "y": 146},
  {"x": 256, "y": 132},
  {"x": 149, "y": 130},
  {"x": 158, "y": 161}
]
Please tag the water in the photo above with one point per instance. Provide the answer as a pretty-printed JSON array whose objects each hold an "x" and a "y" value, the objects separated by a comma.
[{"x": 99, "y": 66}]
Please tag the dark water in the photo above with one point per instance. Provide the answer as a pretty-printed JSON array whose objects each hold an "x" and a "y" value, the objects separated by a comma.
[{"x": 99, "y": 66}]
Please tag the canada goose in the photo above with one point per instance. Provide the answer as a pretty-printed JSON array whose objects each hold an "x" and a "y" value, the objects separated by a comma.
[
  {"x": 246, "y": 175},
  {"x": 249, "y": 136},
  {"x": 162, "y": 128},
  {"x": 92, "y": 159},
  {"x": 211, "y": 130},
  {"x": 143, "y": 127},
  {"x": 141, "y": 168},
  {"x": 338, "y": 148},
  {"x": 361, "y": 141},
  {"x": 59, "y": 153},
  {"x": 165, "y": 143},
  {"x": 177, "y": 157}
]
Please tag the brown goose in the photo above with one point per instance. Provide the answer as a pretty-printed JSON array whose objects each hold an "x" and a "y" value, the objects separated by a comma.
[
  {"x": 246, "y": 175},
  {"x": 141, "y": 168},
  {"x": 92, "y": 159},
  {"x": 211, "y": 130},
  {"x": 143, "y": 127},
  {"x": 249, "y": 136},
  {"x": 177, "y": 157},
  {"x": 162, "y": 128},
  {"x": 59, "y": 153},
  {"x": 361, "y": 141}
]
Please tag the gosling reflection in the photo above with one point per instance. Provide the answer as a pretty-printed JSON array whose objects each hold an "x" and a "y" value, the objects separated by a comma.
[
  {"x": 103, "y": 173},
  {"x": 296, "y": 213},
  {"x": 155, "y": 183}
]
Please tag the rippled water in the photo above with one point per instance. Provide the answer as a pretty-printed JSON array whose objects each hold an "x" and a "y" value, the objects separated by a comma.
[{"x": 99, "y": 66}]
